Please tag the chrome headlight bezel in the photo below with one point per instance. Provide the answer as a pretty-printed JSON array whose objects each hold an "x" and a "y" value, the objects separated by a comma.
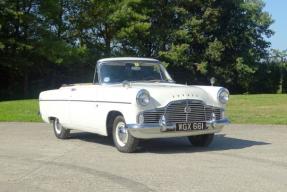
[
  {"x": 223, "y": 95},
  {"x": 143, "y": 97}
]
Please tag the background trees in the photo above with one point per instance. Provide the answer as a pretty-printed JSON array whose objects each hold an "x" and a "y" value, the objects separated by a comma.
[{"x": 47, "y": 43}]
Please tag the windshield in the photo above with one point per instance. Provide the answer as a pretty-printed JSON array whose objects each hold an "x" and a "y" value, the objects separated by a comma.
[{"x": 120, "y": 71}]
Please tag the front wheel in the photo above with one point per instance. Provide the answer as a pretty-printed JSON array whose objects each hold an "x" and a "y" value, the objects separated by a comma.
[
  {"x": 123, "y": 140},
  {"x": 59, "y": 130},
  {"x": 201, "y": 140}
]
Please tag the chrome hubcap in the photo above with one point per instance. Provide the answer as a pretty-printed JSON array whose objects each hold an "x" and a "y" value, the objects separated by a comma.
[
  {"x": 121, "y": 134},
  {"x": 58, "y": 127}
]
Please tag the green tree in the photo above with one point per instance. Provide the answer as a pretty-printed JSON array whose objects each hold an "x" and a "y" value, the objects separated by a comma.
[
  {"x": 226, "y": 39},
  {"x": 16, "y": 37},
  {"x": 279, "y": 58},
  {"x": 221, "y": 38},
  {"x": 33, "y": 34}
]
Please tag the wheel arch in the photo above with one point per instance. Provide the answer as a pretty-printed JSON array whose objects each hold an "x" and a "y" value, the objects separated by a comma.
[
  {"x": 51, "y": 119},
  {"x": 109, "y": 120}
]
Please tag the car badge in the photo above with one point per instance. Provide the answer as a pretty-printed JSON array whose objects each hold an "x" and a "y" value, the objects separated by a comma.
[{"x": 187, "y": 109}]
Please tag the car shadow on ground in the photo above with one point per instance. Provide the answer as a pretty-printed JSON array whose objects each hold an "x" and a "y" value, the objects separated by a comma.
[
  {"x": 221, "y": 142},
  {"x": 91, "y": 137}
]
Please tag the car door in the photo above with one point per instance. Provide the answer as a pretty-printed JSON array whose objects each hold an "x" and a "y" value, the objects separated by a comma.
[{"x": 83, "y": 108}]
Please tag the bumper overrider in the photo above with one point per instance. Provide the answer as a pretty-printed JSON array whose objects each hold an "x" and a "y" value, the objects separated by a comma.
[{"x": 155, "y": 130}]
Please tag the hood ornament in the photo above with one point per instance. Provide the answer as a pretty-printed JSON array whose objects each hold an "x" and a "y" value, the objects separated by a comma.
[{"x": 212, "y": 81}]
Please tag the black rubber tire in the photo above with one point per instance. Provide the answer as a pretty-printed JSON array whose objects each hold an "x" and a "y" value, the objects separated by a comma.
[
  {"x": 201, "y": 140},
  {"x": 64, "y": 133},
  {"x": 132, "y": 142}
]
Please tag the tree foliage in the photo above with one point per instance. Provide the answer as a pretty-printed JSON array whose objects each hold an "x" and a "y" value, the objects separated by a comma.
[{"x": 52, "y": 38}]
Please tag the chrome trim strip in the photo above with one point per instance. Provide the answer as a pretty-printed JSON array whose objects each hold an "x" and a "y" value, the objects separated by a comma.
[{"x": 87, "y": 101}]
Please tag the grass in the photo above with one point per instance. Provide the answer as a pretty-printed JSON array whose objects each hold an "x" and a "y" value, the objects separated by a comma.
[
  {"x": 20, "y": 110},
  {"x": 242, "y": 109},
  {"x": 258, "y": 109}
]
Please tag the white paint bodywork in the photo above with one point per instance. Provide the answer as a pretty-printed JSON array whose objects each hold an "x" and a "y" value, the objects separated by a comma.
[{"x": 86, "y": 107}]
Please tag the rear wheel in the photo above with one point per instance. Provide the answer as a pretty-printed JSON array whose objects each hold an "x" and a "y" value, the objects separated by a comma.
[
  {"x": 59, "y": 130},
  {"x": 123, "y": 140},
  {"x": 201, "y": 140}
]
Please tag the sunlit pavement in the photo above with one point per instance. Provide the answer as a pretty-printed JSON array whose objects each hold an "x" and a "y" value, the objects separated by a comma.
[{"x": 241, "y": 158}]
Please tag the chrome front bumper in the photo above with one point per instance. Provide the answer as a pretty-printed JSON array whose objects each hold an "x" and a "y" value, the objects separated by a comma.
[{"x": 149, "y": 131}]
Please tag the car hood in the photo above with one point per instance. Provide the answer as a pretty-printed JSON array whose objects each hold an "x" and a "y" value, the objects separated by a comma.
[{"x": 163, "y": 93}]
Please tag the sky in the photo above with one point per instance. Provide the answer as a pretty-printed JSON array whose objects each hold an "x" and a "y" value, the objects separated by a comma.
[{"x": 278, "y": 11}]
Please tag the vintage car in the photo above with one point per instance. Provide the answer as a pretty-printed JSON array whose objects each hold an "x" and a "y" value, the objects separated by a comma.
[{"x": 132, "y": 99}]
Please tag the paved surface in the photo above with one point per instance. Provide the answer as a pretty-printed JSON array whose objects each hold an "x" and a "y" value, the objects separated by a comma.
[{"x": 241, "y": 158}]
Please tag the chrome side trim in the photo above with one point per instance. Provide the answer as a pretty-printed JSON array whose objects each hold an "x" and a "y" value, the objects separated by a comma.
[{"x": 90, "y": 101}]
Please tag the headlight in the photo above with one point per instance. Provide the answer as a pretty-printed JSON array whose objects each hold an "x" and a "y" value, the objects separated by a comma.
[
  {"x": 143, "y": 97},
  {"x": 223, "y": 95}
]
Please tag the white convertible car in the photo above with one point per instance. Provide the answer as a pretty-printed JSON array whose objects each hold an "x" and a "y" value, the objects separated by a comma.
[{"x": 132, "y": 99}]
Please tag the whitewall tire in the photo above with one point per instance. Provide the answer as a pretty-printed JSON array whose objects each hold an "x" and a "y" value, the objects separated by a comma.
[
  {"x": 123, "y": 140},
  {"x": 59, "y": 130}
]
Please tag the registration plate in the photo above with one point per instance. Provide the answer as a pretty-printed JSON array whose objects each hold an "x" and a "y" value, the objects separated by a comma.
[{"x": 190, "y": 126}]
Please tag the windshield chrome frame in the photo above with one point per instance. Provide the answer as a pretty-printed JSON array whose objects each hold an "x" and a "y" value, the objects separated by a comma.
[{"x": 99, "y": 65}]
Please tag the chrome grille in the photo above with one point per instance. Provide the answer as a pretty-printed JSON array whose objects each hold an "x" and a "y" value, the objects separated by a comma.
[
  {"x": 175, "y": 112},
  {"x": 153, "y": 116},
  {"x": 218, "y": 112}
]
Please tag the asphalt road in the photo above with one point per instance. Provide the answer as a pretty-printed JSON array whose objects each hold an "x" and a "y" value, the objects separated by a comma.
[{"x": 241, "y": 158}]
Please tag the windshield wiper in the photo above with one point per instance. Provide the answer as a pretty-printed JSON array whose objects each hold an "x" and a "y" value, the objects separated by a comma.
[
  {"x": 156, "y": 80},
  {"x": 151, "y": 81}
]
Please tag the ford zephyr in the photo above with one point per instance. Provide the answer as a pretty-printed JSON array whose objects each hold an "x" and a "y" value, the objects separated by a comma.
[{"x": 132, "y": 99}]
